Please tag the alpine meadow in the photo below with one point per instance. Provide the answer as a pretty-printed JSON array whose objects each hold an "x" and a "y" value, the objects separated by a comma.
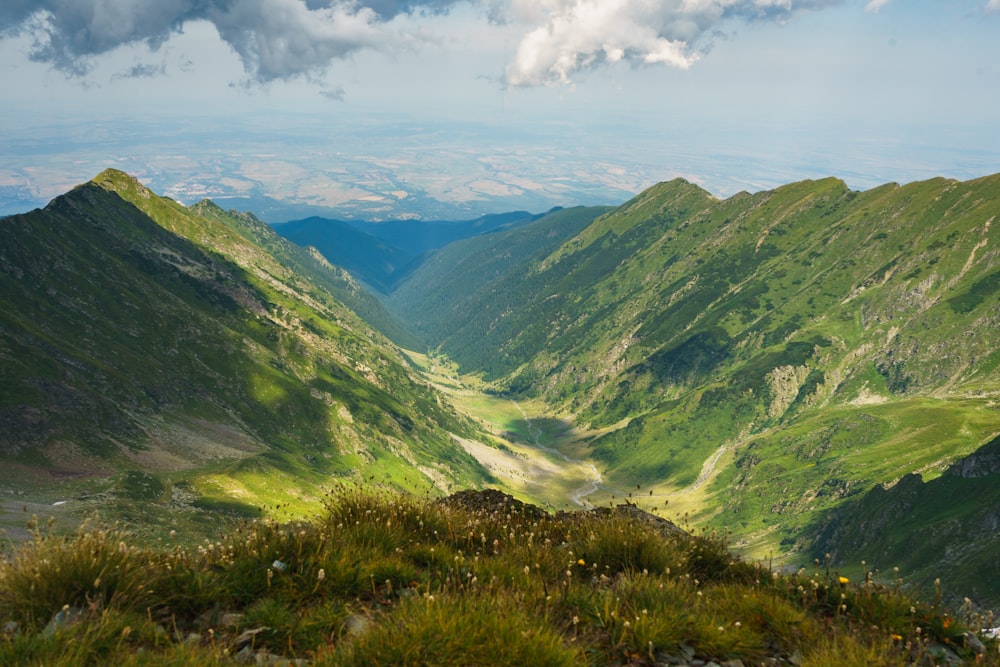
[{"x": 754, "y": 430}]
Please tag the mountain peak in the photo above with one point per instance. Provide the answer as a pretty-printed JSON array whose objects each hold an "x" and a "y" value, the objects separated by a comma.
[{"x": 122, "y": 183}]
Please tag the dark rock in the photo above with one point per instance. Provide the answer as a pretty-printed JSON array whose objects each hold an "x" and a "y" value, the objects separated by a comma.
[
  {"x": 630, "y": 511},
  {"x": 980, "y": 463},
  {"x": 492, "y": 500},
  {"x": 249, "y": 636},
  {"x": 62, "y": 619}
]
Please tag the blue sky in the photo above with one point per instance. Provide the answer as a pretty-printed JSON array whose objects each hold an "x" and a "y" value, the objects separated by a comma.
[{"x": 483, "y": 104}]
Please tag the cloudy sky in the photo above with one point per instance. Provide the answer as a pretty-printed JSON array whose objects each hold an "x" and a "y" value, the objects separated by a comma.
[{"x": 731, "y": 94}]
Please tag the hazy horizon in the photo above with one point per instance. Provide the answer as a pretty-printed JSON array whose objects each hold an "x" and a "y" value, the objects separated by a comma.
[{"x": 444, "y": 109}]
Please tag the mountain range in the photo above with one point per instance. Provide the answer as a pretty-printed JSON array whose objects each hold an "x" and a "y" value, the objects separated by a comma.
[
  {"x": 191, "y": 358},
  {"x": 783, "y": 365}
]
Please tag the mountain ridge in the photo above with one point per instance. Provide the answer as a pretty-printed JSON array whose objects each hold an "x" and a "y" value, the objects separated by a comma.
[
  {"x": 154, "y": 353},
  {"x": 767, "y": 361},
  {"x": 761, "y": 359}
]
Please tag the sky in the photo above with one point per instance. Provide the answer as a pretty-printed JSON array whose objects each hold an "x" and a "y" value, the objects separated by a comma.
[{"x": 449, "y": 108}]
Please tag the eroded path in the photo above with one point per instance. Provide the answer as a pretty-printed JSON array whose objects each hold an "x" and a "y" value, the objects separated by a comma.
[{"x": 590, "y": 487}]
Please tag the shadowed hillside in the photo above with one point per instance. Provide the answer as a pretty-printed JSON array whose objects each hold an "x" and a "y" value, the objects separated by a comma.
[
  {"x": 191, "y": 359},
  {"x": 760, "y": 359}
]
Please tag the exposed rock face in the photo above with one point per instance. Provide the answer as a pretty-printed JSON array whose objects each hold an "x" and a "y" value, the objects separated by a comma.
[
  {"x": 492, "y": 500},
  {"x": 982, "y": 462}
]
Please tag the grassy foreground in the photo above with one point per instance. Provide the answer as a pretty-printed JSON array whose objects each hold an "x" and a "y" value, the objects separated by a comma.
[{"x": 477, "y": 579}]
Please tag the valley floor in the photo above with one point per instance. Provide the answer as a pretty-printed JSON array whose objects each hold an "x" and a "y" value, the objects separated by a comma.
[{"x": 546, "y": 459}]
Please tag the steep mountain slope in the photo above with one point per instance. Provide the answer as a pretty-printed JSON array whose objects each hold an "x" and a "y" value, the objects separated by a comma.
[
  {"x": 381, "y": 254},
  {"x": 368, "y": 257},
  {"x": 775, "y": 353},
  {"x": 192, "y": 356},
  {"x": 947, "y": 528},
  {"x": 488, "y": 269},
  {"x": 311, "y": 264}
]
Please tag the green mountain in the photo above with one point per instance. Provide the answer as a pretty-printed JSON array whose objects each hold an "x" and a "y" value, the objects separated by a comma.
[
  {"x": 366, "y": 256},
  {"x": 946, "y": 529},
  {"x": 381, "y": 254},
  {"x": 190, "y": 358},
  {"x": 758, "y": 360},
  {"x": 780, "y": 365},
  {"x": 455, "y": 293}
]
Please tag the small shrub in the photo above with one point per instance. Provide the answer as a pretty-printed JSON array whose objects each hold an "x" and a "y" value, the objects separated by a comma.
[
  {"x": 95, "y": 568},
  {"x": 458, "y": 631}
]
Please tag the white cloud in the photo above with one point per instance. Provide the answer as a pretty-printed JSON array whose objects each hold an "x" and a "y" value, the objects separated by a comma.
[
  {"x": 993, "y": 6},
  {"x": 567, "y": 36},
  {"x": 275, "y": 39},
  {"x": 278, "y": 39},
  {"x": 874, "y": 6}
]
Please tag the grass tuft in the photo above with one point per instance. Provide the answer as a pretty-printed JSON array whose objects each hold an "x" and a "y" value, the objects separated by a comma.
[{"x": 387, "y": 579}]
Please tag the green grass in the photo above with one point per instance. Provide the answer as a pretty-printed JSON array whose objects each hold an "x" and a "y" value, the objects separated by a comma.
[
  {"x": 783, "y": 481},
  {"x": 382, "y": 578}
]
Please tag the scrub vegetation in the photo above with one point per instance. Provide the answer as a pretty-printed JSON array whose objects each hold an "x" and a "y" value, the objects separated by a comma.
[{"x": 380, "y": 578}]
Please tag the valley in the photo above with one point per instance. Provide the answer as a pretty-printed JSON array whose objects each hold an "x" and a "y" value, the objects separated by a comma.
[
  {"x": 761, "y": 366},
  {"x": 539, "y": 458}
]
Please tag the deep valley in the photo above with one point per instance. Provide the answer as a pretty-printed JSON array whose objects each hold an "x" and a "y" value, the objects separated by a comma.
[{"x": 784, "y": 367}]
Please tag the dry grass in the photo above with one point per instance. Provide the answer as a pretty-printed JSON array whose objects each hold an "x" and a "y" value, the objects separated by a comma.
[{"x": 389, "y": 579}]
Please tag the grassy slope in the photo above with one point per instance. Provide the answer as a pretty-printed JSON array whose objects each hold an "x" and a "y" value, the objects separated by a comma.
[
  {"x": 162, "y": 341},
  {"x": 942, "y": 529},
  {"x": 368, "y": 257},
  {"x": 381, "y": 579},
  {"x": 817, "y": 340},
  {"x": 312, "y": 265},
  {"x": 458, "y": 295}
]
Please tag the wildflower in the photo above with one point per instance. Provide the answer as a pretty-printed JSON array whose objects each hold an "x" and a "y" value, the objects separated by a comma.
[
  {"x": 843, "y": 580},
  {"x": 897, "y": 638},
  {"x": 321, "y": 575},
  {"x": 581, "y": 562}
]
